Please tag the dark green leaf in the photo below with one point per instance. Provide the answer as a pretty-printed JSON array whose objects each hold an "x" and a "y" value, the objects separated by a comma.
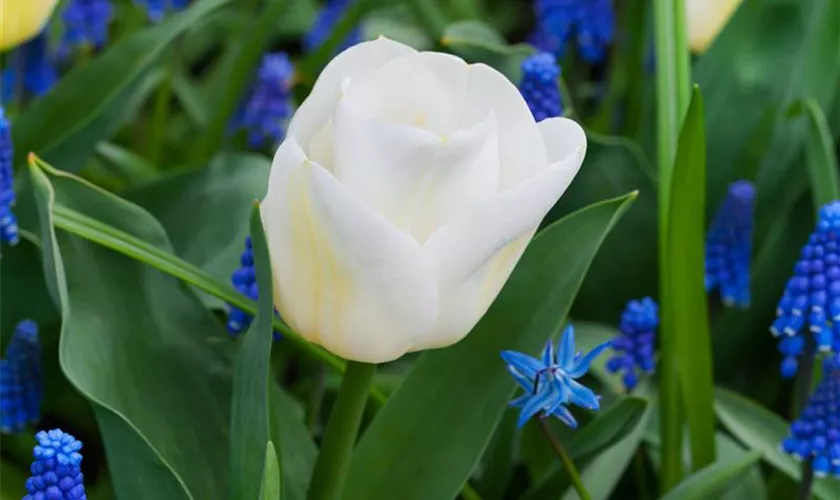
[
  {"x": 298, "y": 452},
  {"x": 90, "y": 103},
  {"x": 713, "y": 480},
  {"x": 819, "y": 148},
  {"x": 270, "y": 487},
  {"x": 479, "y": 42},
  {"x": 249, "y": 425},
  {"x": 444, "y": 420},
  {"x": 499, "y": 459},
  {"x": 686, "y": 343}
]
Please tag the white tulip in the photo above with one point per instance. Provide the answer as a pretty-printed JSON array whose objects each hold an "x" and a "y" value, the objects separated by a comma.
[
  {"x": 705, "y": 19},
  {"x": 407, "y": 188}
]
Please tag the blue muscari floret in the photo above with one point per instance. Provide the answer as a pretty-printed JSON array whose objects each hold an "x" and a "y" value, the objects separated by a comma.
[
  {"x": 539, "y": 86},
  {"x": 86, "y": 24},
  {"x": 815, "y": 434},
  {"x": 156, "y": 9},
  {"x": 8, "y": 221},
  {"x": 244, "y": 279},
  {"x": 269, "y": 104},
  {"x": 633, "y": 347},
  {"x": 21, "y": 380},
  {"x": 329, "y": 14},
  {"x": 812, "y": 295},
  {"x": 729, "y": 246},
  {"x": 590, "y": 22},
  {"x": 56, "y": 471},
  {"x": 549, "y": 382},
  {"x": 30, "y": 68}
]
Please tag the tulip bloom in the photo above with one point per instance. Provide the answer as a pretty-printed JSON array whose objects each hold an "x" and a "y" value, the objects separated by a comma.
[
  {"x": 407, "y": 188},
  {"x": 705, "y": 19},
  {"x": 21, "y": 20}
]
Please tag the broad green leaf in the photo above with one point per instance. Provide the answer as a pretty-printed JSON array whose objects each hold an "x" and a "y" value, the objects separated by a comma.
[
  {"x": 14, "y": 479},
  {"x": 686, "y": 342},
  {"x": 444, "y": 420},
  {"x": 479, "y": 42},
  {"x": 395, "y": 23},
  {"x": 499, "y": 459},
  {"x": 23, "y": 289},
  {"x": 820, "y": 152},
  {"x": 714, "y": 480},
  {"x": 89, "y": 104},
  {"x": 249, "y": 423},
  {"x": 606, "y": 430},
  {"x": 763, "y": 431},
  {"x": 270, "y": 485},
  {"x": 298, "y": 452}
]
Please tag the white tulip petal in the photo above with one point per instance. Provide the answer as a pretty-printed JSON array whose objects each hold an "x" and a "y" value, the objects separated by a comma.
[
  {"x": 415, "y": 179},
  {"x": 360, "y": 59},
  {"x": 344, "y": 277},
  {"x": 475, "y": 254},
  {"x": 705, "y": 19}
]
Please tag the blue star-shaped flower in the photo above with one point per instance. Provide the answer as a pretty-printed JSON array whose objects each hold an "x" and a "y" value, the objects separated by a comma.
[{"x": 549, "y": 382}]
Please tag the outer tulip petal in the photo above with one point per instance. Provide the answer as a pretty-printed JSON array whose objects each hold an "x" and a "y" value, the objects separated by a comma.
[
  {"x": 344, "y": 277},
  {"x": 21, "y": 20},
  {"x": 474, "y": 258},
  {"x": 360, "y": 59},
  {"x": 414, "y": 178}
]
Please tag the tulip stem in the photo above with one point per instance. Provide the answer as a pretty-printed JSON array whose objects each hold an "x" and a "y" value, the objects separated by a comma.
[
  {"x": 571, "y": 470},
  {"x": 333, "y": 461}
]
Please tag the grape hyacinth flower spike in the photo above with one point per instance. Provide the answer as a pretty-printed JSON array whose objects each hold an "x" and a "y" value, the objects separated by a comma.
[
  {"x": 21, "y": 380},
  {"x": 811, "y": 300},
  {"x": 549, "y": 383},
  {"x": 268, "y": 106},
  {"x": 729, "y": 246},
  {"x": 590, "y": 22},
  {"x": 329, "y": 14},
  {"x": 86, "y": 24},
  {"x": 8, "y": 221},
  {"x": 31, "y": 68},
  {"x": 56, "y": 471},
  {"x": 633, "y": 347},
  {"x": 156, "y": 9},
  {"x": 539, "y": 86},
  {"x": 244, "y": 279},
  {"x": 815, "y": 435}
]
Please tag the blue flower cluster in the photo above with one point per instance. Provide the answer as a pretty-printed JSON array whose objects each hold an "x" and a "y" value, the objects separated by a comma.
[
  {"x": 86, "y": 24},
  {"x": 324, "y": 22},
  {"x": 156, "y": 9},
  {"x": 244, "y": 279},
  {"x": 268, "y": 106},
  {"x": 21, "y": 380},
  {"x": 729, "y": 245},
  {"x": 812, "y": 295},
  {"x": 30, "y": 68},
  {"x": 634, "y": 346},
  {"x": 590, "y": 22},
  {"x": 8, "y": 221},
  {"x": 539, "y": 86},
  {"x": 56, "y": 471},
  {"x": 815, "y": 434},
  {"x": 549, "y": 382}
]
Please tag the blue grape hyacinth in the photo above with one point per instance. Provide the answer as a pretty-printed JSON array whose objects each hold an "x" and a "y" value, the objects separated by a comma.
[
  {"x": 156, "y": 9},
  {"x": 268, "y": 106},
  {"x": 21, "y": 380},
  {"x": 244, "y": 279},
  {"x": 8, "y": 221},
  {"x": 633, "y": 347},
  {"x": 811, "y": 300},
  {"x": 56, "y": 470},
  {"x": 329, "y": 14},
  {"x": 30, "y": 68},
  {"x": 549, "y": 382},
  {"x": 539, "y": 86},
  {"x": 815, "y": 435},
  {"x": 86, "y": 24},
  {"x": 591, "y": 23},
  {"x": 729, "y": 246}
]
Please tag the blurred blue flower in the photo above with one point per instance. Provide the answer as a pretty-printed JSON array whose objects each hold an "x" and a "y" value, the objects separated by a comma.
[
  {"x": 729, "y": 245},
  {"x": 56, "y": 470},
  {"x": 31, "y": 68},
  {"x": 812, "y": 295},
  {"x": 244, "y": 279},
  {"x": 633, "y": 347},
  {"x": 268, "y": 106},
  {"x": 86, "y": 24},
  {"x": 8, "y": 221},
  {"x": 329, "y": 14},
  {"x": 816, "y": 433},
  {"x": 157, "y": 9},
  {"x": 549, "y": 382},
  {"x": 539, "y": 86},
  {"x": 590, "y": 22},
  {"x": 21, "y": 380}
]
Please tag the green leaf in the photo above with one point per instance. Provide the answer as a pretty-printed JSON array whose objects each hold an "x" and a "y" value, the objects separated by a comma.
[
  {"x": 499, "y": 459},
  {"x": 608, "y": 429},
  {"x": 270, "y": 486},
  {"x": 763, "y": 431},
  {"x": 819, "y": 147},
  {"x": 90, "y": 103},
  {"x": 14, "y": 479},
  {"x": 443, "y": 420},
  {"x": 249, "y": 423},
  {"x": 686, "y": 343},
  {"x": 479, "y": 42},
  {"x": 298, "y": 451},
  {"x": 713, "y": 480}
]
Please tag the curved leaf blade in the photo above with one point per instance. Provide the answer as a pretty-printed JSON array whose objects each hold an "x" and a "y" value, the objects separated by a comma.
[
  {"x": 713, "y": 480},
  {"x": 819, "y": 149}
]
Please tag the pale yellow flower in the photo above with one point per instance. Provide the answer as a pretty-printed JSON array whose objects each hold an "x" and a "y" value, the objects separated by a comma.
[
  {"x": 705, "y": 19},
  {"x": 21, "y": 20}
]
